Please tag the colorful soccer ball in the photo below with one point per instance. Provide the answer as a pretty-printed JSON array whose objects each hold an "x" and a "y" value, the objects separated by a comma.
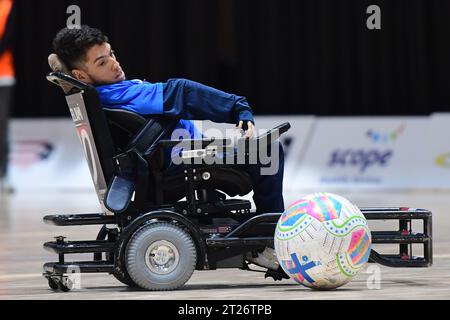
[{"x": 322, "y": 241}]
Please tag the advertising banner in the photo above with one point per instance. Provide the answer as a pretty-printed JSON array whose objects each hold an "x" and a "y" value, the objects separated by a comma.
[
  {"x": 438, "y": 153},
  {"x": 321, "y": 153},
  {"x": 47, "y": 155},
  {"x": 366, "y": 152}
]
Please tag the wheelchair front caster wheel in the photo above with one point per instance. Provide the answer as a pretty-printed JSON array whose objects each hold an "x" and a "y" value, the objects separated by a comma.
[
  {"x": 160, "y": 256},
  {"x": 62, "y": 283},
  {"x": 65, "y": 285},
  {"x": 53, "y": 284}
]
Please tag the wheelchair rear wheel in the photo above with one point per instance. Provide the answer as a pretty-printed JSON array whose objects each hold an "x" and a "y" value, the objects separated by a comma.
[{"x": 161, "y": 256}]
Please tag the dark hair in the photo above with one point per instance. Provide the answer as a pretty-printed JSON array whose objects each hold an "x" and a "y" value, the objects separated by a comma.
[{"x": 71, "y": 45}]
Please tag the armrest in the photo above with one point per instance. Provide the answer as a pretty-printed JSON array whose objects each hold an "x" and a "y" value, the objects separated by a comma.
[
  {"x": 193, "y": 143},
  {"x": 145, "y": 142},
  {"x": 274, "y": 133},
  {"x": 251, "y": 146}
]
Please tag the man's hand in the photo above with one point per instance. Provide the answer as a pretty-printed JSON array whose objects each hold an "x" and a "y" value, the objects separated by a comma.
[{"x": 250, "y": 132}]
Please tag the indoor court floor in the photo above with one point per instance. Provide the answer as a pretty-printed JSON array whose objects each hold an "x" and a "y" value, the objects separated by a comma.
[{"x": 22, "y": 234}]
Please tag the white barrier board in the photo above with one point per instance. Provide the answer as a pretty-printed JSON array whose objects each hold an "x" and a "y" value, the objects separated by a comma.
[
  {"x": 438, "y": 151},
  {"x": 46, "y": 155},
  {"x": 367, "y": 152}
]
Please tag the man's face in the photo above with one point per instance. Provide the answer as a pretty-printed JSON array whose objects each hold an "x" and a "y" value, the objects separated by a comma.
[{"x": 100, "y": 66}]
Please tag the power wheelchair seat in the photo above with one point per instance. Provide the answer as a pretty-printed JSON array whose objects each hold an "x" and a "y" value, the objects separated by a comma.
[{"x": 158, "y": 228}]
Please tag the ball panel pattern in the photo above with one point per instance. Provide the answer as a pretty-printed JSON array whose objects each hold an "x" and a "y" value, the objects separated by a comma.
[{"x": 322, "y": 241}]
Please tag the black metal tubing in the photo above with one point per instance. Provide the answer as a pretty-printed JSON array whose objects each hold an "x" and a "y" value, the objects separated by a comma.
[
  {"x": 396, "y": 261},
  {"x": 71, "y": 247},
  {"x": 275, "y": 133},
  {"x": 268, "y": 217},
  {"x": 55, "y": 268},
  {"x": 392, "y": 238},
  {"x": 102, "y": 235},
  {"x": 193, "y": 143},
  {"x": 99, "y": 219},
  {"x": 396, "y": 215},
  {"x": 390, "y": 209},
  {"x": 80, "y": 219},
  {"x": 369, "y": 213},
  {"x": 227, "y": 242},
  {"x": 397, "y": 237}
]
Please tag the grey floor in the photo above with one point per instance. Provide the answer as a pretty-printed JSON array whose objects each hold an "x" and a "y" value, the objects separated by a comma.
[{"x": 22, "y": 234}]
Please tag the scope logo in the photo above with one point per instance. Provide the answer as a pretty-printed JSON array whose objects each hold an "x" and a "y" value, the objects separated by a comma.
[
  {"x": 383, "y": 138},
  {"x": 363, "y": 159},
  {"x": 443, "y": 160}
]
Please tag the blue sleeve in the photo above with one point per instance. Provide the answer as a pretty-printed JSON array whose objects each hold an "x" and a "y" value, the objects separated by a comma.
[
  {"x": 178, "y": 98},
  {"x": 137, "y": 96},
  {"x": 190, "y": 100}
]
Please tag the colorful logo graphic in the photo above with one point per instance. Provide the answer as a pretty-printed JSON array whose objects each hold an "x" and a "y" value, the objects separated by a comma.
[
  {"x": 298, "y": 270},
  {"x": 29, "y": 152},
  {"x": 443, "y": 160},
  {"x": 382, "y": 138},
  {"x": 359, "y": 246}
]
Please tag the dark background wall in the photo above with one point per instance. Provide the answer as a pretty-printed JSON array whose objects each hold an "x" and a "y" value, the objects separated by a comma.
[{"x": 286, "y": 56}]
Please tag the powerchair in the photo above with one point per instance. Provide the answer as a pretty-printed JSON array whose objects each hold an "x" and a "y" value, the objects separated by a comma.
[{"x": 155, "y": 229}]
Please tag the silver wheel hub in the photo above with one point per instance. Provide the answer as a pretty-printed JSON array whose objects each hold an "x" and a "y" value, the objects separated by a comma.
[{"x": 162, "y": 257}]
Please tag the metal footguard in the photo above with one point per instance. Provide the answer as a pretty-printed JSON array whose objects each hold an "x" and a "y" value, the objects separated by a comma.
[
  {"x": 243, "y": 236},
  {"x": 404, "y": 237}
]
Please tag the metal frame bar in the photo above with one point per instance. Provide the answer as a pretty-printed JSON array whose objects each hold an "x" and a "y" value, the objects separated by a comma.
[{"x": 236, "y": 242}]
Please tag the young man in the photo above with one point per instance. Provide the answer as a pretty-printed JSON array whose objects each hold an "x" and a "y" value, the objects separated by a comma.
[{"x": 89, "y": 56}]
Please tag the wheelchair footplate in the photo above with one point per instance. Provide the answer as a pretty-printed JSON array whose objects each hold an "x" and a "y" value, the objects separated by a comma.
[{"x": 248, "y": 237}]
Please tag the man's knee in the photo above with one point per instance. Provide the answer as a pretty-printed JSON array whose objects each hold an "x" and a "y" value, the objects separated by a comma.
[{"x": 177, "y": 82}]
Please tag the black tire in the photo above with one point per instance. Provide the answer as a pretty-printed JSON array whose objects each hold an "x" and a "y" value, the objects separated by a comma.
[
  {"x": 65, "y": 287},
  {"x": 53, "y": 284},
  {"x": 123, "y": 276},
  {"x": 125, "y": 279},
  {"x": 160, "y": 257}
]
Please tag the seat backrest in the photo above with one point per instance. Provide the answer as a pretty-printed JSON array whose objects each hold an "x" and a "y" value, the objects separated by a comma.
[
  {"x": 124, "y": 125},
  {"x": 92, "y": 128},
  {"x": 104, "y": 133}
]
